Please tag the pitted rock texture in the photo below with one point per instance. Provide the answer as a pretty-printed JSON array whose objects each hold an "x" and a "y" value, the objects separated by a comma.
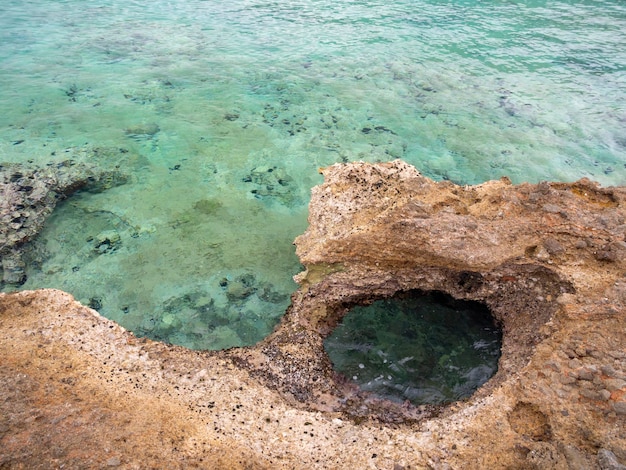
[
  {"x": 29, "y": 194},
  {"x": 547, "y": 259}
]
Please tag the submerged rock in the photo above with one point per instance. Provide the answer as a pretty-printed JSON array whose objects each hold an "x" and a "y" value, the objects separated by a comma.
[
  {"x": 241, "y": 287},
  {"x": 274, "y": 183},
  {"x": 28, "y": 195},
  {"x": 142, "y": 130},
  {"x": 107, "y": 241},
  {"x": 553, "y": 279},
  {"x": 14, "y": 268}
]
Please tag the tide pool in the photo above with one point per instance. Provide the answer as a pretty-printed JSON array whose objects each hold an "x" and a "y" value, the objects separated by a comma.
[{"x": 416, "y": 347}]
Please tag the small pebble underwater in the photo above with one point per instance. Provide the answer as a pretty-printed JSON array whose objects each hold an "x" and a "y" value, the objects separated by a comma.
[{"x": 218, "y": 114}]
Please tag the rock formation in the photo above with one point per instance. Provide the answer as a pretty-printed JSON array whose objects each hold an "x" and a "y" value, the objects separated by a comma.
[
  {"x": 547, "y": 259},
  {"x": 29, "y": 194}
]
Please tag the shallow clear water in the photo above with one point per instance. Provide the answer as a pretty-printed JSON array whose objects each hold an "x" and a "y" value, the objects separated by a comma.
[
  {"x": 225, "y": 110},
  {"x": 421, "y": 348}
]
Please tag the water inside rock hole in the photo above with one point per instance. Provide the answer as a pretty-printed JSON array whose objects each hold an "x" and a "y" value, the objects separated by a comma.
[{"x": 425, "y": 348}]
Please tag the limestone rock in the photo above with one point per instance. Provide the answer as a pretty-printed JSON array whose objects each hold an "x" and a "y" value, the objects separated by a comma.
[{"x": 546, "y": 259}]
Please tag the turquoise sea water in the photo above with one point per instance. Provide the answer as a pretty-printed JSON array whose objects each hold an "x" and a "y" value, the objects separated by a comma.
[{"x": 224, "y": 111}]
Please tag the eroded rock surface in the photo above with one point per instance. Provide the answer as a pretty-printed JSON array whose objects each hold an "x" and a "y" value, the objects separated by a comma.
[
  {"x": 547, "y": 259},
  {"x": 29, "y": 194}
]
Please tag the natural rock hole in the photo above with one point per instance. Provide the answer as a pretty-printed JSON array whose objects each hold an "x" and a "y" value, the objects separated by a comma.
[{"x": 427, "y": 348}]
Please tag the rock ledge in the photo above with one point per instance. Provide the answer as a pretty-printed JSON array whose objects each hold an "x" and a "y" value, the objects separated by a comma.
[{"x": 548, "y": 259}]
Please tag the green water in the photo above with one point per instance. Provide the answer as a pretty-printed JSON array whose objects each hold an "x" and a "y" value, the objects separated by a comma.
[
  {"x": 223, "y": 112},
  {"x": 422, "y": 348}
]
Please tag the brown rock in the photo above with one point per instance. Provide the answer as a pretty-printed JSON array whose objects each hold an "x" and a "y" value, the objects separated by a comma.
[{"x": 74, "y": 381}]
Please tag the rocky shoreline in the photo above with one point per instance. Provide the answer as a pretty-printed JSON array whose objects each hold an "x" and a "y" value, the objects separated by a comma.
[
  {"x": 547, "y": 259},
  {"x": 29, "y": 194}
]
